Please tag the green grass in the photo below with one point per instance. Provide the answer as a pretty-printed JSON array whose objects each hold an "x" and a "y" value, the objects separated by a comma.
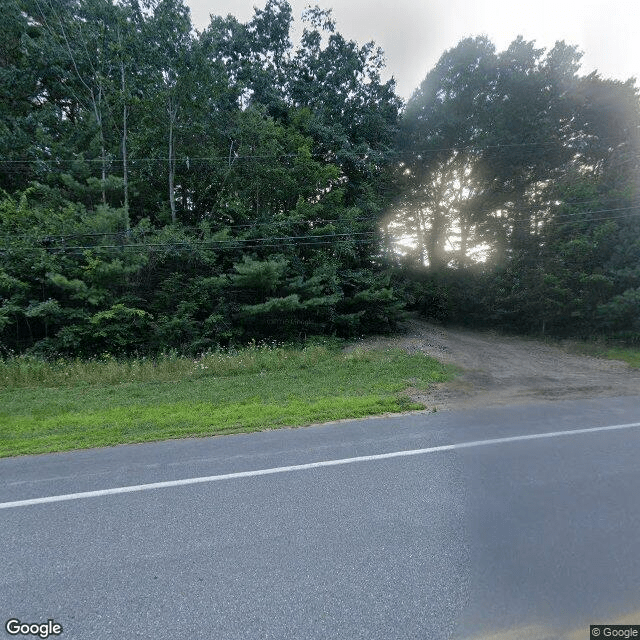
[
  {"x": 629, "y": 355},
  {"x": 59, "y": 406},
  {"x": 603, "y": 349}
]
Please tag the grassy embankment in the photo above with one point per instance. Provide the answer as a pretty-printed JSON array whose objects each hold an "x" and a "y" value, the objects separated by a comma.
[
  {"x": 603, "y": 349},
  {"x": 628, "y": 355},
  {"x": 47, "y": 407}
]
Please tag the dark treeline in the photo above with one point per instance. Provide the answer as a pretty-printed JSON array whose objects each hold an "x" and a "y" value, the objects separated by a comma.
[
  {"x": 521, "y": 189},
  {"x": 167, "y": 189}
]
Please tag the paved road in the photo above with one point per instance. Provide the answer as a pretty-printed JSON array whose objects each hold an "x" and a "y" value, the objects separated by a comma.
[{"x": 532, "y": 538}]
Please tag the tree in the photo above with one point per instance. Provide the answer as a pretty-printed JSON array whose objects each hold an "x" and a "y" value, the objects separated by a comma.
[
  {"x": 195, "y": 191},
  {"x": 169, "y": 36},
  {"x": 514, "y": 153},
  {"x": 482, "y": 135}
]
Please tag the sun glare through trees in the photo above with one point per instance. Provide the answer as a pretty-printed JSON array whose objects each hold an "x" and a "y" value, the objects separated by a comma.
[{"x": 162, "y": 187}]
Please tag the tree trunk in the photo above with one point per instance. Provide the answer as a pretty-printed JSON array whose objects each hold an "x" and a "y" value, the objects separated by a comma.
[
  {"x": 172, "y": 162},
  {"x": 96, "y": 103},
  {"x": 125, "y": 171},
  {"x": 464, "y": 239},
  {"x": 103, "y": 180},
  {"x": 436, "y": 251},
  {"x": 422, "y": 254}
]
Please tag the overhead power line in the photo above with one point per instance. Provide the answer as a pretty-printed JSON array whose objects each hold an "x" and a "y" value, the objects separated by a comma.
[
  {"x": 327, "y": 221},
  {"x": 566, "y": 218},
  {"x": 289, "y": 241},
  {"x": 330, "y": 155},
  {"x": 190, "y": 245}
]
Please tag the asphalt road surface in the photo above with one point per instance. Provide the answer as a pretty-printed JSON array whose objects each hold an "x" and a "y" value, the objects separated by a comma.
[{"x": 478, "y": 532}]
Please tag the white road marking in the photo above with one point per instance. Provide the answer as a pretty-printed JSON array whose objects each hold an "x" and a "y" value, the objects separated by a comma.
[{"x": 304, "y": 467}]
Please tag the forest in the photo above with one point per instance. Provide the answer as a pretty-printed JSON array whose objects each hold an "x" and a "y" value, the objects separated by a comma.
[{"x": 165, "y": 189}]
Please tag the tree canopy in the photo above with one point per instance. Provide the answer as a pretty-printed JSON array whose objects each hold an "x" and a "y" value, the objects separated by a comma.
[
  {"x": 162, "y": 188},
  {"x": 521, "y": 190},
  {"x": 171, "y": 189}
]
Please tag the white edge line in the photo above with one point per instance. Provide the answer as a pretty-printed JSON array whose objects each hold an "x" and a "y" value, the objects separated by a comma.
[{"x": 304, "y": 467}]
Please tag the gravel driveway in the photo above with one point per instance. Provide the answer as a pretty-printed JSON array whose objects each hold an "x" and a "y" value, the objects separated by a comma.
[{"x": 500, "y": 370}]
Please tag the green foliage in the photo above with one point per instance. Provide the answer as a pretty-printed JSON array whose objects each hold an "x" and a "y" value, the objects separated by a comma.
[
  {"x": 162, "y": 187},
  {"x": 261, "y": 277},
  {"x": 621, "y": 314},
  {"x": 514, "y": 158},
  {"x": 185, "y": 189}
]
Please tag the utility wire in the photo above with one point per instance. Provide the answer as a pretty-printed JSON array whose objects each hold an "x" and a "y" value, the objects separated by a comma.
[
  {"x": 178, "y": 245},
  {"x": 257, "y": 243},
  {"x": 333, "y": 155},
  {"x": 582, "y": 217},
  {"x": 325, "y": 221},
  {"x": 233, "y": 242}
]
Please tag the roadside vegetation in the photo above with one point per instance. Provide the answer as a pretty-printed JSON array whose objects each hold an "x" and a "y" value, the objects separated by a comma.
[
  {"x": 172, "y": 192},
  {"x": 628, "y": 355},
  {"x": 192, "y": 190},
  {"x": 607, "y": 349},
  {"x": 58, "y": 406}
]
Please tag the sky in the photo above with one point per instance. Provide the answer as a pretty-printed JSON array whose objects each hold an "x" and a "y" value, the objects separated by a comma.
[{"x": 415, "y": 33}]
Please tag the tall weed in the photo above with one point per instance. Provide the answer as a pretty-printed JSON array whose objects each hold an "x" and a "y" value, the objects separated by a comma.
[{"x": 26, "y": 371}]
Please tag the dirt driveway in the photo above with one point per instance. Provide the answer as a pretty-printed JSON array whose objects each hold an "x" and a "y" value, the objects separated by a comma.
[{"x": 501, "y": 370}]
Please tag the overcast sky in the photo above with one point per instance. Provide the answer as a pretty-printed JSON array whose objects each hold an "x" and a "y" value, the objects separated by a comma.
[{"x": 414, "y": 33}]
